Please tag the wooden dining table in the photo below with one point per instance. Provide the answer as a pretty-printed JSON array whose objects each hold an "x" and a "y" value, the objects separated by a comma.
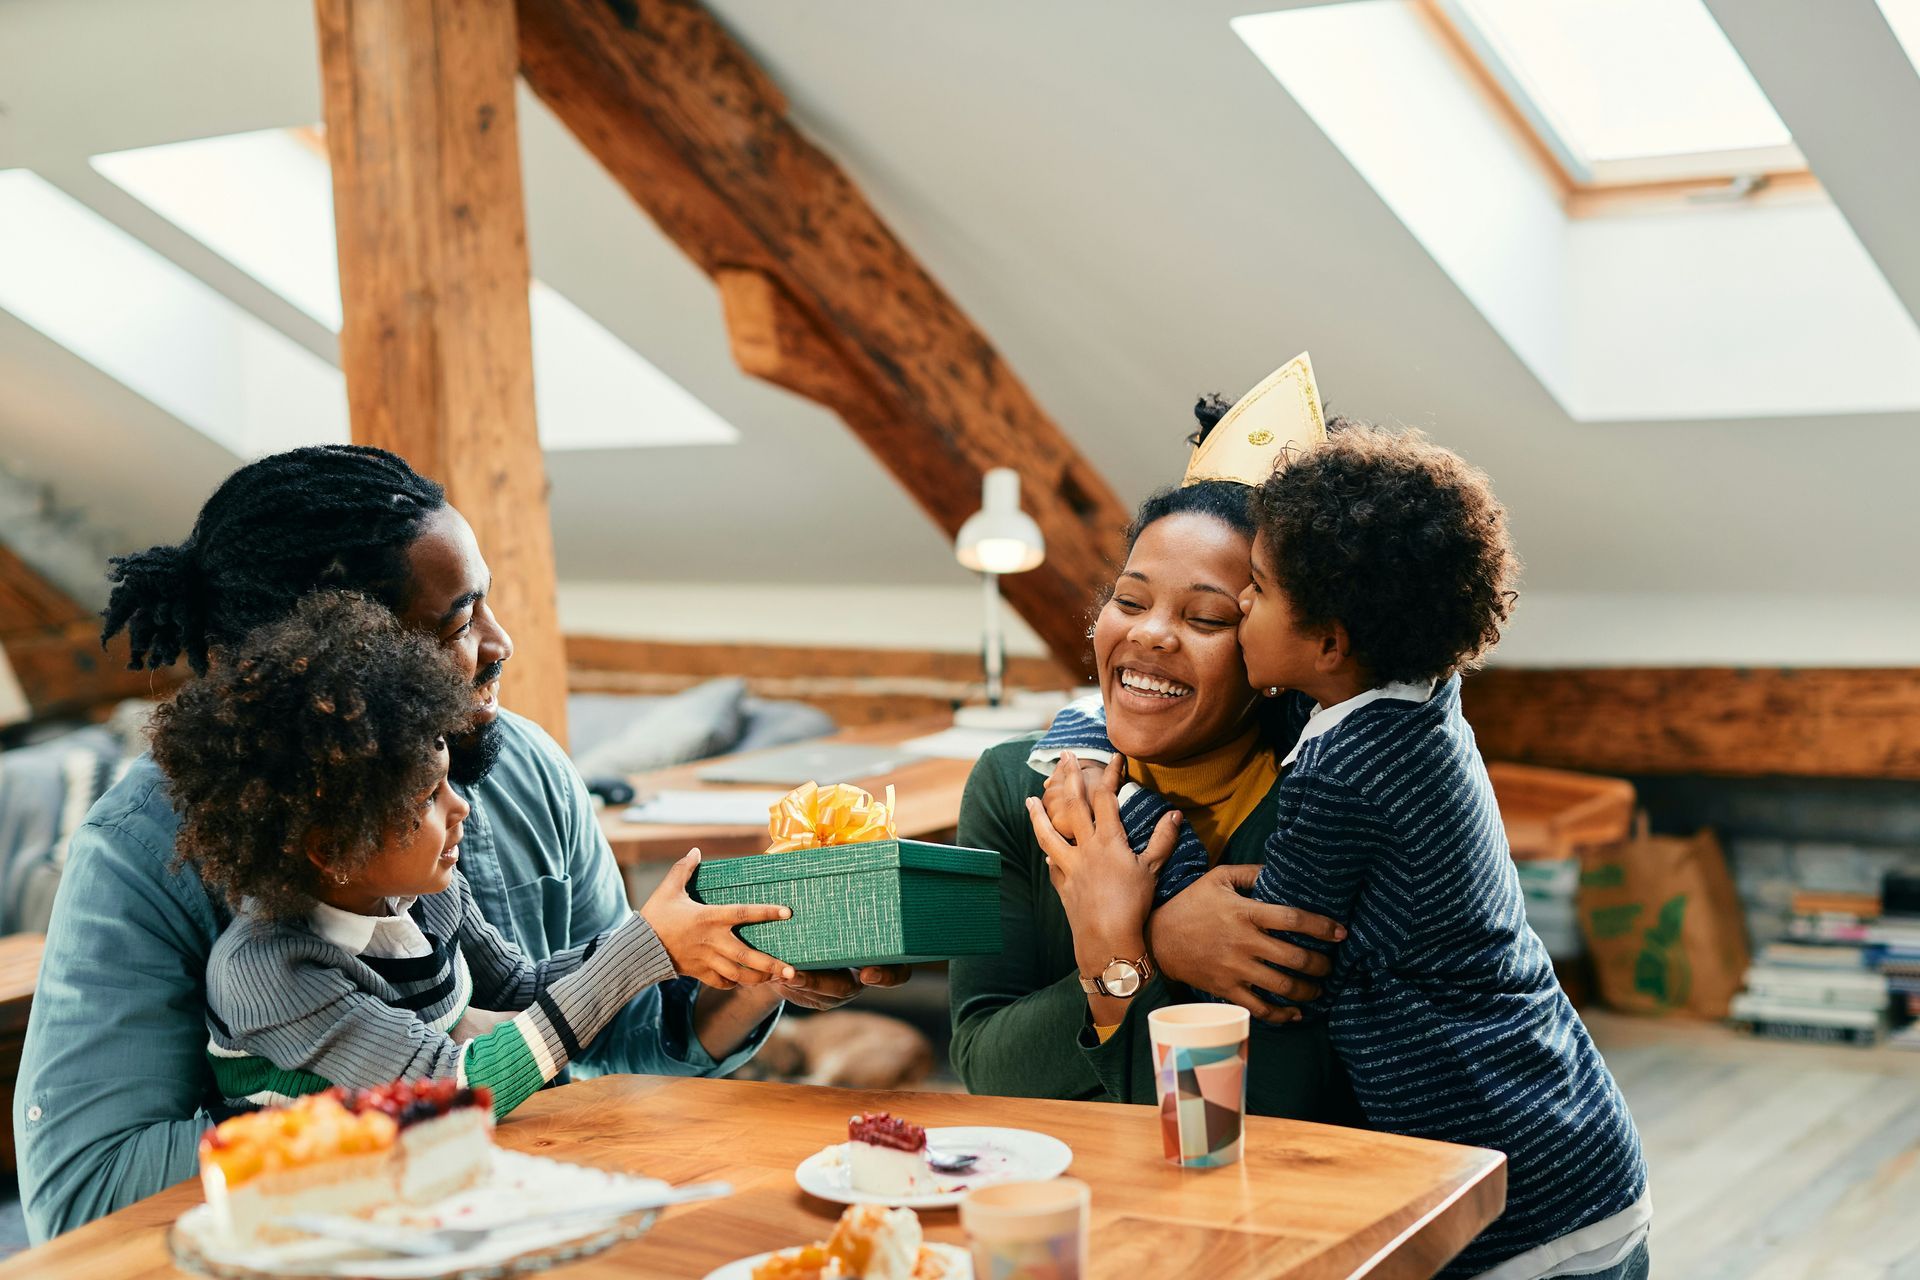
[{"x": 1308, "y": 1201}]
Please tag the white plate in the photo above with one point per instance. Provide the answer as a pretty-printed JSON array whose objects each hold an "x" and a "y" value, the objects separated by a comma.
[
  {"x": 519, "y": 1186},
  {"x": 959, "y": 1264},
  {"x": 1006, "y": 1155}
]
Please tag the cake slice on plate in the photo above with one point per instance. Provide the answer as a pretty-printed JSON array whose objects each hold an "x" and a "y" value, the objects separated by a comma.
[
  {"x": 887, "y": 1156},
  {"x": 310, "y": 1156},
  {"x": 446, "y": 1134},
  {"x": 345, "y": 1152}
]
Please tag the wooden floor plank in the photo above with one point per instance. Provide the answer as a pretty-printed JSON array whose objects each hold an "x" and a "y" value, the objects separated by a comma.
[
  {"x": 1772, "y": 1161},
  {"x": 1747, "y": 1205}
]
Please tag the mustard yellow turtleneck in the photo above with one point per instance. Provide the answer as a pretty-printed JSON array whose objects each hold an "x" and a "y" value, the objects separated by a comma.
[{"x": 1215, "y": 791}]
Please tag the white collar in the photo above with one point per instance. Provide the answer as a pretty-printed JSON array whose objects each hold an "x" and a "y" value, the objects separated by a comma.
[
  {"x": 1325, "y": 718},
  {"x": 357, "y": 934}
]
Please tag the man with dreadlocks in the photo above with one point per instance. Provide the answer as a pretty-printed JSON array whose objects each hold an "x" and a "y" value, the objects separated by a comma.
[{"x": 114, "y": 1089}]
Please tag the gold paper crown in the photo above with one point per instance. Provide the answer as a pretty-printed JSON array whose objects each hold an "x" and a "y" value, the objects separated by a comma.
[{"x": 1282, "y": 413}]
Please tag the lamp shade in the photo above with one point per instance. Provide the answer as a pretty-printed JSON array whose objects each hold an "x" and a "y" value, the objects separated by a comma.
[{"x": 1000, "y": 537}]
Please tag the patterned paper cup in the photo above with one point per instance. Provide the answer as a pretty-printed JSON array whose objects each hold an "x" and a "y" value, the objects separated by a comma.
[
  {"x": 1200, "y": 1064},
  {"x": 1028, "y": 1230}
]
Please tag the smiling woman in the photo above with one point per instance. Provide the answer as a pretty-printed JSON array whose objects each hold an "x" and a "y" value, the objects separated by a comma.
[{"x": 1179, "y": 709}]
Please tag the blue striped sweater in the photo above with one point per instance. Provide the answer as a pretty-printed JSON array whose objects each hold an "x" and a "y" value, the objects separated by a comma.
[{"x": 1442, "y": 1003}]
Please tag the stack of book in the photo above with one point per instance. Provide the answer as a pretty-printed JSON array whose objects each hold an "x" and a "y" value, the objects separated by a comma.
[
  {"x": 1825, "y": 984},
  {"x": 1548, "y": 886},
  {"x": 1900, "y": 955},
  {"x": 1849, "y": 974}
]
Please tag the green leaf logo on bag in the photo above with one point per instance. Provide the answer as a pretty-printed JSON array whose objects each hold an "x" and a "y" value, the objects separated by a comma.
[
  {"x": 1661, "y": 971},
  {"x": 1615, "y": 921}
]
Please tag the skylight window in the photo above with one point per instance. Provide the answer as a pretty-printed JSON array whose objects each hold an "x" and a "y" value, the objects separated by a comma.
[
  {"x": 264, "y": 202},
  {"x": 1656, "y": 309},
  {"x": 1904, "y": 17},
  {"x": 1627, "y": 91},
  {"x": 158, "y": 329}
]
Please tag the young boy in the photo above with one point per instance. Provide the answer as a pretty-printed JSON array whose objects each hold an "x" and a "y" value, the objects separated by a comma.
[
  {"x": 1381, "y": 570},
  {"x": 310, "y": 766}
]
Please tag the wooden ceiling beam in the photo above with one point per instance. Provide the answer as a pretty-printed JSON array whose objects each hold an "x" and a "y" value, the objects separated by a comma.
[
  {"x": 774, "y": 339},
  {"x": 437, "y": 344},
  {"x": 820, "y": 295},
  {"x": 51, "y": 645},
  {"x": 1732, "y": 722}
]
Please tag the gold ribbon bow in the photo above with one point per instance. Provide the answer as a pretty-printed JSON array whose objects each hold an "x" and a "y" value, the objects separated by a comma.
[{"x": 812, "y": 817}]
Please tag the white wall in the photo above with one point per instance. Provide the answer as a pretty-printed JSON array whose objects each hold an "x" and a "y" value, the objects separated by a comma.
[
  {"x": 1549, "y": 629},
  {"x": 1557, "y": 629},
  {"x": 862, "y": 616}
]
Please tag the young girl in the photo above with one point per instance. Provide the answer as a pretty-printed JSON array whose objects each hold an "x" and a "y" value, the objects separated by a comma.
[
  {"x": 1381, "y": 570},
  {"x": 311, "y": 771}
]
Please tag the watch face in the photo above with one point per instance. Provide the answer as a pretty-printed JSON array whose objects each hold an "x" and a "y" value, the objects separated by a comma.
[{"x": 1120, "y": 978}]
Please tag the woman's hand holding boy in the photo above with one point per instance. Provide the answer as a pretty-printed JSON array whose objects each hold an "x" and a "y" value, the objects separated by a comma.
[
  {"x": 1211, "y": 937},
  {"x": 1214, "y": 938},
  {"x": 1106, "y": 889}
]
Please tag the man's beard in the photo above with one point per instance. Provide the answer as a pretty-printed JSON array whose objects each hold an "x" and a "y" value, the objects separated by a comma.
[{"x": 470, "y": 758}]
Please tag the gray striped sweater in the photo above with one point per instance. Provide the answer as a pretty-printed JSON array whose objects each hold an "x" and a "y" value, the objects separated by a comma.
[
  {"x": 290, "y": 1011},
  {"x": 1442, "y": 1003}
]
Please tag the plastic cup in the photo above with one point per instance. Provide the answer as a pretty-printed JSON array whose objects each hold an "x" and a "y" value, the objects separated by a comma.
[
  {"x": 1200, "y": 1067},
  {"x": 1028, "y": 1230}
]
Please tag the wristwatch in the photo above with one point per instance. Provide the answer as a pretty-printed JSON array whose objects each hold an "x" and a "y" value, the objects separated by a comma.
[{"x": 1120, "y": 979}]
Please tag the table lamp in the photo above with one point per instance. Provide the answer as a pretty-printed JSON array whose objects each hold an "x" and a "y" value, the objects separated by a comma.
[{"x": 999, "y": 538}]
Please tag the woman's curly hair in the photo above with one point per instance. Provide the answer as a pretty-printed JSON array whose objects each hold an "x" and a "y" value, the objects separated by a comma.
[
  {"x": 320, "y": 727},
  {"x": 1399, "y": 540}
]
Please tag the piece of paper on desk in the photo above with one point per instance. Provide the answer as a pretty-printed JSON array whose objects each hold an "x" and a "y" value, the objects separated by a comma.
[
  {"x": 957, "y": 743},
  {"x": 705, "y": 808}
]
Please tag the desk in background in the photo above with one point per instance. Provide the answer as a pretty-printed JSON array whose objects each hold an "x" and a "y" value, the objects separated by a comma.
[
  {"x": 19, "y": 972},
  {"x": 927, "y": 791}
]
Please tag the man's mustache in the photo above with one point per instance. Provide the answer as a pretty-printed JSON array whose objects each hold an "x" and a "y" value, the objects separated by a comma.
[{"x": 489, "y": 673}]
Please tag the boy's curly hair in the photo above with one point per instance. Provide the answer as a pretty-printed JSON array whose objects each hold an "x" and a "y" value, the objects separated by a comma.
[
  {"x": 319, "y": 727},
  {"x": 1399, "y": 540}
]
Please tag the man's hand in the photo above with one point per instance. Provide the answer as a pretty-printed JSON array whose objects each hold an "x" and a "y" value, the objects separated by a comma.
[
  {"x": 831, "y": 988},
  {"x": 1215, "y": 939},
  {"x": 724, "y": 1019}
]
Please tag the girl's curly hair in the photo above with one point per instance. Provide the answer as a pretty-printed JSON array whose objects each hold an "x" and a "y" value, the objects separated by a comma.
[
  {"x": 318, "y": 730},
  {"x": 1399, "y": 540}
]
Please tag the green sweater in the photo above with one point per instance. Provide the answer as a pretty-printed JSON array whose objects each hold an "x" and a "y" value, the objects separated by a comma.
[{"x": 1020, "y": 1021}]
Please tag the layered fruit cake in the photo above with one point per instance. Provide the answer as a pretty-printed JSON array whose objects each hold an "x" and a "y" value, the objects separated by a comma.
[
  {"x": 868, "y": 1243},
  {"x": 345, "y": 1152},
  {"x": 887, "y": 1156},
  {"x": 446, "y": 1133}
]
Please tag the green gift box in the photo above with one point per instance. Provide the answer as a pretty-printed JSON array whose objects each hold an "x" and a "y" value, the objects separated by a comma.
[{"x": 879, "y": 902}]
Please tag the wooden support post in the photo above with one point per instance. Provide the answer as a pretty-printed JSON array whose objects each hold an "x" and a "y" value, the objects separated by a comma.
[
  {"x": 820, "y": 296},
  {"x": 437, "y": 342}
]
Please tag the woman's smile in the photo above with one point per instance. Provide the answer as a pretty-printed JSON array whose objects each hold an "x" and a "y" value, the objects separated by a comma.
[{"x": 1153, "y": 690}]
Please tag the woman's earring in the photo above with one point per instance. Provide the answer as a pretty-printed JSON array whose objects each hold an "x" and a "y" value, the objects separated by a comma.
[
  {"x": 1089, "y": 633},
  {"x": 1273, "y": 691}
]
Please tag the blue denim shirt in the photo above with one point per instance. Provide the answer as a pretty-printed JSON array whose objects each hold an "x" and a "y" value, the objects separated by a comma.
[{"x": 114, "y": 1084}]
